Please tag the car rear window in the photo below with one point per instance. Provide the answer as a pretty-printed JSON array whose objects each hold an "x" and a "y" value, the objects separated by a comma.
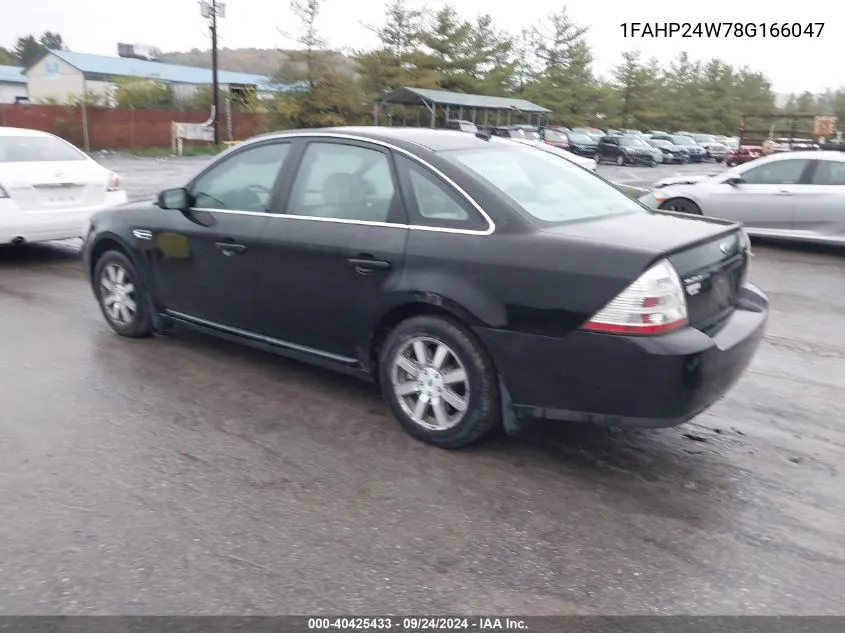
[
  {"x": 547, "y": 189},
  {"x": 683, "y": 140},
  {"x": 37, "y": 149}
]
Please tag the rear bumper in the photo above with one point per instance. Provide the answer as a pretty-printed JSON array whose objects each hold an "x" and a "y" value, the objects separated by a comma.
[
  {"x": 52, "y": 224},
  {"x": 627, "y": 380}
]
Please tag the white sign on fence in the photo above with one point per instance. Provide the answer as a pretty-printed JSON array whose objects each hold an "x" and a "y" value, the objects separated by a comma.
[{"x": 190, "y": 132}]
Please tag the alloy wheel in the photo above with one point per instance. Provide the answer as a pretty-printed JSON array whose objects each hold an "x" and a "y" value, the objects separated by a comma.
[
  {"x": 430, "y": 383},
  {"x": 117, "y": 294}
]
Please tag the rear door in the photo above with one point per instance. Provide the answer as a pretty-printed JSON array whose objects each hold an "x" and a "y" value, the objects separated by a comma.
[
  {"x": 327, "y": 262},
  {"x": 820, "y": 212},
  {"x": 766, "y": 199}
]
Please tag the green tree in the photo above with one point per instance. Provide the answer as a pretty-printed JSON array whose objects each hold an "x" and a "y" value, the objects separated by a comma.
[
  {"x": 8, "y": 58},
  {"x": 201, "y": 99},
  {"x": 28, "y": 48},
  {"x": 87, "y": 98},
  {"x": 52, "y": 41},
  {"x": 687, "y": 106},
  {"x": 639, "y": 86},
  {"x": 492, "y": 58},
  {"x": 606, "y": 105},
  {"x": 136, "y": 92},
  {"x": 447, "y": 43},
  {"x": 329, "y": 96},
  {"x": 398, "y": 60},
  {"x": 560, "y": 70},
  {"x": 524, "y": 64},
  {"x": 720, "y": 94}
]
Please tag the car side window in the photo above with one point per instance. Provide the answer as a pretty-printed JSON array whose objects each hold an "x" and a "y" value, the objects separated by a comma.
[
  {"x": 433, "y": 202},
  {"x": 243, "y": 181},
  {"x": 344, "y": 182},
  {"x": 829, "y": 172},
  {"x": 781, "y": 172}
]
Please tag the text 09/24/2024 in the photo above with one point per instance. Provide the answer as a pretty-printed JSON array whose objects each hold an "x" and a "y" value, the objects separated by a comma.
[{"x": 722, "y": 29}]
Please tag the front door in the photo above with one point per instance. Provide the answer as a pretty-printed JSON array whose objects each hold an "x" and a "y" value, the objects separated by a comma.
[
  {"x": 204, "y": 259},
  {"x": 330, "y": 259},
  {"x": 608, "y": 148},
  {"x": 766, "y": 198}
]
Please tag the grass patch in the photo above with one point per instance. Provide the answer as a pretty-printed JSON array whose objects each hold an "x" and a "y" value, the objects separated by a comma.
[{"x": 160, "y": 152}]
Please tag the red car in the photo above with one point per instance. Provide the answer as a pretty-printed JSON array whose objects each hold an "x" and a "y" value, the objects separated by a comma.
[
  {"x": 743, "y": 154},
  {"x": 556, "y": 138}
]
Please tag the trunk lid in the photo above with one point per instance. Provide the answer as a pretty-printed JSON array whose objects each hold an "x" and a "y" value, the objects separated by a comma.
[
  {"x": 55, "y": 186},
  {"x": 710, "y": 255}
]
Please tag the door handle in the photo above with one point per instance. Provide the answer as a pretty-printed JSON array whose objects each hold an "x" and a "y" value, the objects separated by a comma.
[
  {"x": 230, "y": 248},
  {"x": 365, "y": 264}
]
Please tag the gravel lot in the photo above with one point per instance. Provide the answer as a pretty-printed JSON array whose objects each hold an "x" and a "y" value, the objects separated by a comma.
[{"x": 185, "y": 475}]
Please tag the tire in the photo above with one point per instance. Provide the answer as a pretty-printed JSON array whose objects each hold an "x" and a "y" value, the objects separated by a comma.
[
  {"x": 620, "y": 161},
  {"x": 126, "y": 321},
  {"x": 719, "y": 160},
  {"x": 652, "y": 163},
  {"x": 681, "y": 205},
  {"x": 479, "y": 390}
]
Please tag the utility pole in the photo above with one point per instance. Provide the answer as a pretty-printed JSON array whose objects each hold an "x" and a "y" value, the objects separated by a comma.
[{"x": 213, "y": 9}]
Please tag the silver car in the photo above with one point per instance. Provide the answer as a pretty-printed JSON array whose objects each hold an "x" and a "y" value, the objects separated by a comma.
[
  {"x": 792, "y": 195},
  {"x": 716, "y": 150}
]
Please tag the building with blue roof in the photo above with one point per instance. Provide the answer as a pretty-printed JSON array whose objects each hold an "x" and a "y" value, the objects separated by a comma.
[
  {"x": 60, "y": 76},
  {"x": 12, "y": 84}
]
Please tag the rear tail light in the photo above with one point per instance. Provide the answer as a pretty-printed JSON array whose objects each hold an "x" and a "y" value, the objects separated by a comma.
[
  {"x": 3, "y": 193},
  {"x": 114, "y": 182},
  {"x": 655, "y": 303}
]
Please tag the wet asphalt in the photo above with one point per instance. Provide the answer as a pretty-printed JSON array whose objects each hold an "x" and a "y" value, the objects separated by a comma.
[{"x": 184, "y": 475}]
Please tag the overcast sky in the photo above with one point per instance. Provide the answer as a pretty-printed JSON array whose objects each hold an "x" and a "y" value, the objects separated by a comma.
[{"x": 794, "y": 64}]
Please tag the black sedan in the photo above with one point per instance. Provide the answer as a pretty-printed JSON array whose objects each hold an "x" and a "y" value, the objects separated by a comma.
[
  {"x": 674, "y": 154},
  {"x": 476, "y": 281},
  {"x": 582, "y": 144}
]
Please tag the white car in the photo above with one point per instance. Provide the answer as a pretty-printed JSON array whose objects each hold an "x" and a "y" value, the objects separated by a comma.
[
  {"x": 48, "y": 188},
  {"x": 587, "y": 163}
]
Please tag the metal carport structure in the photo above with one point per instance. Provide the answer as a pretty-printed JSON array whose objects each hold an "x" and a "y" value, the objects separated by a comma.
[{"x": 432, "y": 99}]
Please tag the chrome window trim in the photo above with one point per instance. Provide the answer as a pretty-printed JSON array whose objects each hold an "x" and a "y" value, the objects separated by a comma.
[{"x": 491, "y": 226}]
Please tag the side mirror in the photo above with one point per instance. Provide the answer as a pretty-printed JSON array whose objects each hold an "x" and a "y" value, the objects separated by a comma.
[
  {"x": 177, "y": 199},
  {"x": 734, "y": 181}
]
